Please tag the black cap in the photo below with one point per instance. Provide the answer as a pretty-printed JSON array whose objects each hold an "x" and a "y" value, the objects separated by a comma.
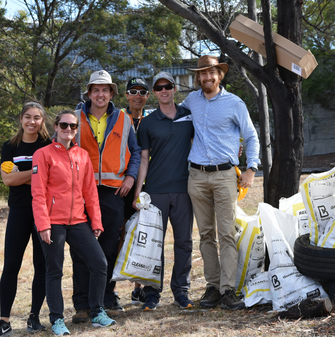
[{"x": 137, "y": 82}]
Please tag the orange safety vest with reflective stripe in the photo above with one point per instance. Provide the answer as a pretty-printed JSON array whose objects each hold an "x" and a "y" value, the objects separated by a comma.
[{"x": 111, "y": 161}]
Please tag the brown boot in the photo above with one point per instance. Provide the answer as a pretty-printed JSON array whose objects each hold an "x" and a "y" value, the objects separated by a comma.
[{"x": 82, "y": 316}]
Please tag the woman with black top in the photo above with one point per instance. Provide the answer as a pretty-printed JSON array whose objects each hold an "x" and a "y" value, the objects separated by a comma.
[{"x": 16, "y": 165}]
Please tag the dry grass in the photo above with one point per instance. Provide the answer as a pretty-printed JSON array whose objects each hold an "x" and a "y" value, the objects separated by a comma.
[{"x": 167, "y": 320}]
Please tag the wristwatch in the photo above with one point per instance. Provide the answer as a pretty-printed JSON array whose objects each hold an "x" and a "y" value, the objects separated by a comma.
[{"x": 254, "y": 169}]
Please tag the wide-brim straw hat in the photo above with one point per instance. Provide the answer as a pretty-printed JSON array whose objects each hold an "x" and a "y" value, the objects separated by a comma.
[
  {"x": 101, "y": 77},
  {"x": 208, "y": 61}
]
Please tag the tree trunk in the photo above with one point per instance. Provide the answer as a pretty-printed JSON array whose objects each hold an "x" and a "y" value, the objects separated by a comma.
[
  {"x": 50, "y": 85},
  {"x": 263, "y": 110},
  {"x": 287, "y": 112}
]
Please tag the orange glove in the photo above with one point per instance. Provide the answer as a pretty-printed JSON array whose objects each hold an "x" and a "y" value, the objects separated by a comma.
[
  {"x": 241, "y": 191},
  {"x": 9, "y": 166}
]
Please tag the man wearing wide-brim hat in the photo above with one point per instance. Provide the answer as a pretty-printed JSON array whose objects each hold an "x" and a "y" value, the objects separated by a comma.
[
  {"x": 107, "y": 135},
  {"x": 219, "y": 118}
]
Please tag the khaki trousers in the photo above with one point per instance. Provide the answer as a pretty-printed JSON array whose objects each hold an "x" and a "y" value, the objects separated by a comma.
[{"x": 214, "y": 199}]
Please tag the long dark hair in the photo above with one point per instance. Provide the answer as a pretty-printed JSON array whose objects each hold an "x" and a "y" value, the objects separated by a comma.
[{"x": 43, "y": 132}]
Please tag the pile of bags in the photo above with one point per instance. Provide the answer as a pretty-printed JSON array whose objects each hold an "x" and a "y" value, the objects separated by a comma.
[{"x": 310, "y": 211}]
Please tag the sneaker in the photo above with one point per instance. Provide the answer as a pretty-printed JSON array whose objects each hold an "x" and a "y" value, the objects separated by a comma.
[
  {"x": 34, "y": 325},
  {"x": 231, "y": 302},
  {"x": 184, "y": 302},
  {"x": 151, "y": 303},
  {"x": 5, "y": 328},
  {"x": 81, "y": 316},
  {"x": 137, "y": 296},
  {"x": 59, "y": 328},
  {"x": 116, "y": 306},
  {"x": 211, "y": 298},
  {"x": 102, "y": 320}
]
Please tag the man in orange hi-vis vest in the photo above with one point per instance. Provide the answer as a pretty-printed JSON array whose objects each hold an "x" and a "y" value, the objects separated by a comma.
[{"x": 107, "y": 134}]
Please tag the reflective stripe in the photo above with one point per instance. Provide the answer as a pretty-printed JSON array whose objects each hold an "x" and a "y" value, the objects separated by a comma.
[
  {"x": 96, "y": 176},
  {"x": 78, "y": 113},
  {"x": 124, "y": 142},
  {"x": 111, "y": 175}
]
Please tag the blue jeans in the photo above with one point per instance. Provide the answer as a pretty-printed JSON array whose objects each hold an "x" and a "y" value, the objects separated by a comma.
[{"x": 82, "y": 240}]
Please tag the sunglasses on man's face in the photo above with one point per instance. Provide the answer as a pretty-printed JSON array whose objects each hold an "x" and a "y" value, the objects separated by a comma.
[
  {"x": 64, "y": 126},
  {"x": 165, "y": 86},
  {"x": 134, "y": 92}
]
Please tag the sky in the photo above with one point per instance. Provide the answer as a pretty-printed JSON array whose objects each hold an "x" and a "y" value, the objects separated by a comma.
[{"x": 13, "y": 6}]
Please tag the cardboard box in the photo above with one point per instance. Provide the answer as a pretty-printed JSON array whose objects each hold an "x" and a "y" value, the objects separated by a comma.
[{"x": 289, "y": 55}]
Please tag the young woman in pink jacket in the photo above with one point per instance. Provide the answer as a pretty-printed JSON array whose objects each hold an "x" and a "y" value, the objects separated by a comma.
[{"x": 63, "y": 187}]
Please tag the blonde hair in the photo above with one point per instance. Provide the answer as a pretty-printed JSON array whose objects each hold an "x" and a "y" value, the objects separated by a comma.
[
  {"x": 43, "y": 132},
  {"x": 197, "y": 75}
]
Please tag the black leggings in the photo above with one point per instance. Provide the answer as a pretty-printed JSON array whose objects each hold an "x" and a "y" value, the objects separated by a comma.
[{"x": 20, "y": 226}]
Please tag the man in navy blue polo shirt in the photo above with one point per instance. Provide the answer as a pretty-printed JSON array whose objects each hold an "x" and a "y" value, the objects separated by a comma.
[{"x": 165, "y": 137}]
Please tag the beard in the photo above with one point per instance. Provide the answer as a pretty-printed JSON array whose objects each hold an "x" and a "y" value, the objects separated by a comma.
[{"x": 213, "y": 88}]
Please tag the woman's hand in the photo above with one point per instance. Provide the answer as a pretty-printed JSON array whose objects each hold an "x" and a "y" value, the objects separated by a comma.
[
  {"x": 97, "y": 232},
  {"x": 46, "y": 235}
]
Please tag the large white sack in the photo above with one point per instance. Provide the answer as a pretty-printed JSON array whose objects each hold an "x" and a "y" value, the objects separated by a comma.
[
  {"x": 257, "y": 290},
  {"x": 318, "y": 194},
  {"x": 286, "y": 222},
  {"x": 250, "y": 246},
  {"x": 288, "y": 287},
  {"x": 140, "y": 256},
  {"x": 295, "y": 206}
]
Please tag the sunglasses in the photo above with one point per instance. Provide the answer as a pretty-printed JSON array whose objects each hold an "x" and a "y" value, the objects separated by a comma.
[
  {"x": 64, "y": 126},
  {"x": 134, "y": 92},
  {"x": 165, "y": 86}
]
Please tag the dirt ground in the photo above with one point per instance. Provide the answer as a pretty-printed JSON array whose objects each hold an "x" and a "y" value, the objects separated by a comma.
[{"x": 322, "y": 160}]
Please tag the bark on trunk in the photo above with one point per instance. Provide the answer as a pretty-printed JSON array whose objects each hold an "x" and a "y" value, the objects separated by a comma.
[
  {"x": 263, "y": 110},
  {"x": 308, "y": 308},
  {"x": 287, "y": 112}
]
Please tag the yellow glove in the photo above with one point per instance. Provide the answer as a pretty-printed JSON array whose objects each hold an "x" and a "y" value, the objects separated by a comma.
[
  {"x": 9, "y": 166},
  {"x": 241, "y": 191}
]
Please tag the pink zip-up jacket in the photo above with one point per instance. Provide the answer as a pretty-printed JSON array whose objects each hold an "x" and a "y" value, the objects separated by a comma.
[{"x": 62, "y": 186}]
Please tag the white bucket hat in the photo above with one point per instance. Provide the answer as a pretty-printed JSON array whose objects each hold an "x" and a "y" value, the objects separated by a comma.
[{"x": 101, "y": 77}]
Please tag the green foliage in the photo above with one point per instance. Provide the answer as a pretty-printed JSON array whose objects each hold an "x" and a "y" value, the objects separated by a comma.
[
  {"x": 319, "y": 37},
  {"x": 50, "y": 48},
  {"x": 4, "y": 191}
]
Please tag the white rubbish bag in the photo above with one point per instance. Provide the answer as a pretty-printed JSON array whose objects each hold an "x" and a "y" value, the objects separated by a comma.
[
  {"x": 318, "y": 194},
  {"x": 140, "y": 256},
  {"x": 288, "y": 286},
  {"x": 257, "y": 290},
  {"x": 250, "y": 245},
  {"x": 295, "y": 206}
]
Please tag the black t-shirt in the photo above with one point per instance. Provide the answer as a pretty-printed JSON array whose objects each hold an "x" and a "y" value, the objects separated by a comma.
[
  {"x": 169, "y": 142},
  {"x": 21, "y": 156}
]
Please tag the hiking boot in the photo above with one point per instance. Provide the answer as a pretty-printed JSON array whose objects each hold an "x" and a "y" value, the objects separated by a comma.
[
  {"x": 230, "y": 301},
  {"x": 81, "y": 316},
  {"x": 184, "y": 302},
  {"x": 211, "y": 298},
  {"x": 5, "y": 328},
  {"x": 102, "y": 320},
  {"x": 34, "y": 324},
  {"x": 137, "y": 296},
  {"x": 151, "y": 303},
  {"x": 59, "y": 328}
]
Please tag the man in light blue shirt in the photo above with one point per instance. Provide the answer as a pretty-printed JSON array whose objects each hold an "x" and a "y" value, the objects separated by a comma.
[{"x": 219, "y": 119}]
